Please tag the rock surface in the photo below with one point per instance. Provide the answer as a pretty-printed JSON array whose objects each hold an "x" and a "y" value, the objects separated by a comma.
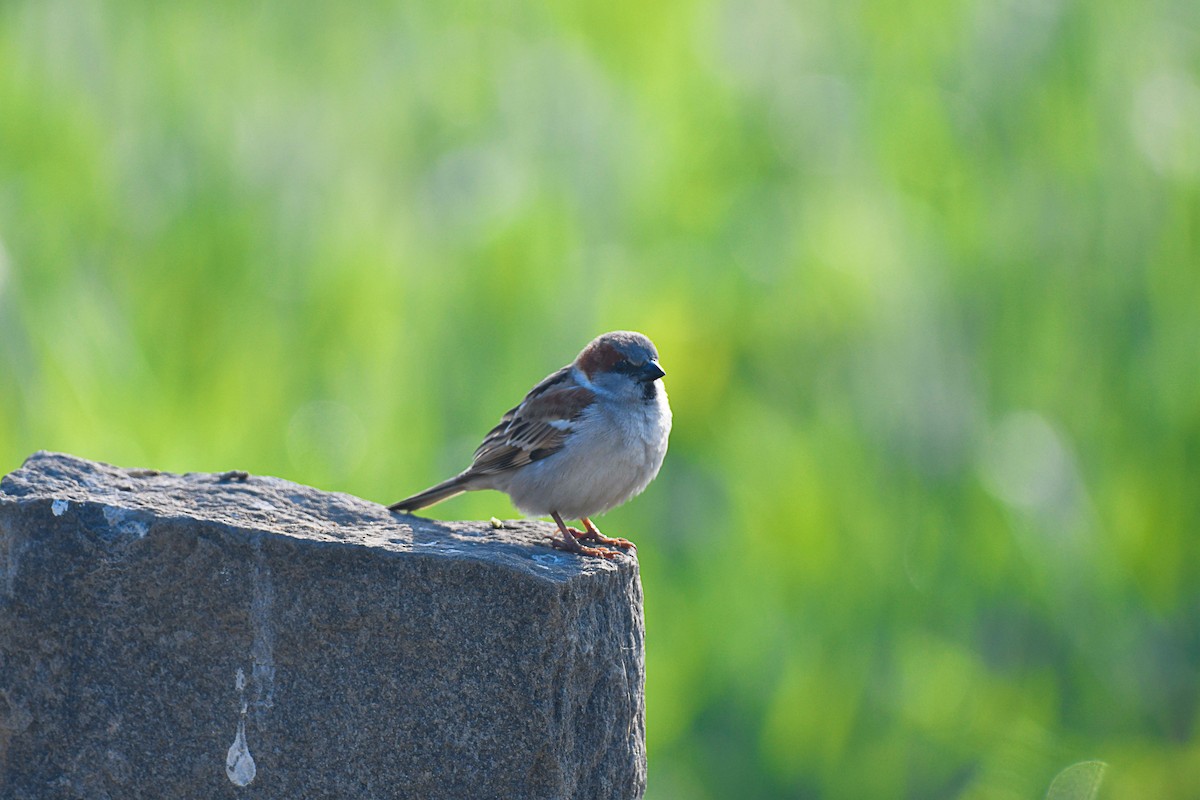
[{"x": 209, "y": 636}]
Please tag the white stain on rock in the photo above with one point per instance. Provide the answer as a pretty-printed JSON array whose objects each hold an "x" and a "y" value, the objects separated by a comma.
[
  {"x": 59, "y": 507},
  {"x": 239, "y": 764},
  {"x": 262, "y": 648},
  {"x": 125, "y": 522}
]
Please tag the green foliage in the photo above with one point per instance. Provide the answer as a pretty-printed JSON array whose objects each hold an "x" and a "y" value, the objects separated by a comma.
[
  {"x": 924, "y": 278},
  {"x": 1080, "y": 781}
]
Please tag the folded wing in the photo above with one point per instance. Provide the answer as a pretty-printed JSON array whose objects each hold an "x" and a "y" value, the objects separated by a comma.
[{"x": 537, "y": 428}]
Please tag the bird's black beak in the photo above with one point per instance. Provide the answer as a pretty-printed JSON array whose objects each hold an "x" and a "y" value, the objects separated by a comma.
[{"x": 650, "y": 372}]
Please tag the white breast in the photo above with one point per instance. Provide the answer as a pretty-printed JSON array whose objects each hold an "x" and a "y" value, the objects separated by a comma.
[{"x": 613, "y": 453}]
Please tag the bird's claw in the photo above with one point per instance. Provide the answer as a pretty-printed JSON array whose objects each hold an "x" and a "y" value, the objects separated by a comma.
[
  {"x": 600, "y": 538},
  {"x": 572, "y": 546},
  {"x": 617, "y": 541}
]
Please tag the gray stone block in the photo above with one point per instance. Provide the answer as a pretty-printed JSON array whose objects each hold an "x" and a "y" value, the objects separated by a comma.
[{"x": 207, "y": 636}]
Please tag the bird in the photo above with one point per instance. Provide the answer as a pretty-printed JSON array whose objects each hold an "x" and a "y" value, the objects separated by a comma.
[{"x": 587, "y": 438}]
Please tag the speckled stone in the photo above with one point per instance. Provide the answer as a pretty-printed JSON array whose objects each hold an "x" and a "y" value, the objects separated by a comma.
[{"x": 233, "y": 636}]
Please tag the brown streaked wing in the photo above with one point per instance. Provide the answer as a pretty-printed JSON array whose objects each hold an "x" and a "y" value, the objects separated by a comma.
[
  {"x": 526, "y": 433},
  {"x": 497, "y": 434}
]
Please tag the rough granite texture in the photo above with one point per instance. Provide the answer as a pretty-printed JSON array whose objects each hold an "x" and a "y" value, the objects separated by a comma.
[{"x": 208, "y": 636}]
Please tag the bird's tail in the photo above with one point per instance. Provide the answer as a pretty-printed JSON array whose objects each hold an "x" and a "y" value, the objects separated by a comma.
[{"x": 434, "y": 494}]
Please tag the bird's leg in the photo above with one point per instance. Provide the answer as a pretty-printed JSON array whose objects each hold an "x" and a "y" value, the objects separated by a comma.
[
  {"x": 594, "y": 535},
  {"x": 568, "y": 542}
]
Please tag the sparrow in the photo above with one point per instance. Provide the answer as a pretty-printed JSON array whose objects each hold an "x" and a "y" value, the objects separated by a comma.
[{"x": 587, "y": 438}]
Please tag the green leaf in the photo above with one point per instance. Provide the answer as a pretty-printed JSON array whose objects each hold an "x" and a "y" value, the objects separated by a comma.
[{"x": 1078, "y": 782}]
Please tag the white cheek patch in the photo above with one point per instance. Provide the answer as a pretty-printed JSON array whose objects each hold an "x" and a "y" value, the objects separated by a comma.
[{"x": 583, "y": 381}]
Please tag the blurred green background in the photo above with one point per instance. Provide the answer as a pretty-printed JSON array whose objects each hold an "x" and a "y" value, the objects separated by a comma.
[{"x": 925, "y": 279}]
